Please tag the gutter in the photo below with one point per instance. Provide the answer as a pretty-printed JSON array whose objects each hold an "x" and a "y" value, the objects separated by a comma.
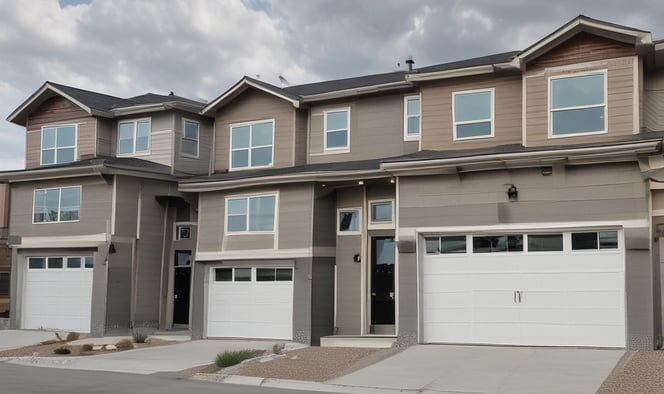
[
  {"x": 52, "y": 173},
  {"x": 358, "y": 91},
  {"x": 140, "y": 109}
]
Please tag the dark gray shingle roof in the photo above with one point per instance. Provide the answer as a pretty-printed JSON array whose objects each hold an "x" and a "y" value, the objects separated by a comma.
[
  {"x": 347, "y": 83},
  {"x": 94, "y": 100}
]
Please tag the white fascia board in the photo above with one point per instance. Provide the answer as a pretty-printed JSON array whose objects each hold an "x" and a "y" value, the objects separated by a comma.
[
  {"x": 243, "y": 85},
  {"x": 41, "y": 91},
  {"x": 51, "y": 173},
  {"x": 356, "y": 91},
  {"x": 254, "y": 254},
  {"x": 460, "y": 72},
  {"x": 60, "y": 242}
]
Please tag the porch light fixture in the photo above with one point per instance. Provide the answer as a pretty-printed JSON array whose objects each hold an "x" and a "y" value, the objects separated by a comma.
[
  {"x": 360, "y": 182},
  {"x": 357, "y": 258},
  {"x": 111, "y": 249},
  {"x": 512, "y": 193},
  {"x": 392, "y": 180}
]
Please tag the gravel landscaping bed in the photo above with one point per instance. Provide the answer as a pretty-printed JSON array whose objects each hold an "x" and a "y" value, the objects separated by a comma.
[
  {"x": 637, "y": 372},
  {"x": 76, "y": 350},
  {"x": 316, "y": 364}
]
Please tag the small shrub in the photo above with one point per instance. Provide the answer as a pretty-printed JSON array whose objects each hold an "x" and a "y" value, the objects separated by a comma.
[
  {"x": 277, "y": 348},
  {"x": 124, "y": 344},
  {"x": 229, "y": 358},
  {"x": 59, "y": 337},
  {"x": 62, "y": 350},
  {"x": 49, "y": 342},
  {"x": 139, "y": 337},
  {"x": 72, "y": 336},
  {"x": 86, "y": 348}
]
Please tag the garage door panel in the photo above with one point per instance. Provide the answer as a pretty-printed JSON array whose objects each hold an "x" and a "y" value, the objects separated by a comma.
[
  {"x": 450, "y": 298},
  {"x": 449, "y": 315},
  {"x": 494, "y": 298},
  {"x": 451, "y": 332},
  {"x": 588, "y": 316},
  {"x": 598, "y": 281},
  {"x": 545, "y": 334},
  {"x": 448, "y": 282},
  {"x": 599, "y": 335},
  {"x": 497, "y": 280},
  {"x": 501, "y": 333}
]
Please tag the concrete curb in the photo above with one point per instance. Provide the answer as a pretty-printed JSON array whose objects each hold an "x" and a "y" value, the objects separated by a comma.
[{"x": 294, "y": 384}]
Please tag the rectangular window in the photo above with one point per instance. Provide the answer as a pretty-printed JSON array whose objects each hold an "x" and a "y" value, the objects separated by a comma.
[
  {"x": 36, "y": 263},
  {"x": 242, "y": 274},
  {"x": 348, "y": 221},
  {"x": 134, "y": 137},
  {"x": 252, "y": 145},
  {"x": 251, "y": 214},
  {"x": 73, "y": 262},
  {"x": 446, "y": 244},
  {"x": 382, "y": 213},
  {"x": 190, "y": 138},
  {"x": 223, "y": 274},
  {"x": 182, "y": 232},
  {"x": 182, "y": 258},
  {"x": 89, "y": 262},
  {"x": 497, "y": 243},
  {"x": 578, "y": 104},
  {"x": 58, "y": 144},
  {"x": 545, "y": 242},
  {"x": 57, "y": 205},
  {"x": 412, "y": 118},
  {"x": 473, "y": 114},
  {"x": 595, "y": 240},
  {"x": 4, "y": 284},
  {"x": 337, "y": 129},
  {"x": 55, "y": 263},
  {"x": 274, "y": 274}
]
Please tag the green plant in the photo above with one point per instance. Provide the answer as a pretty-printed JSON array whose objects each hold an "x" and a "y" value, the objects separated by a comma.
[
  {"x": 86, "y": 348},
  {"x": 72, "y": 336},
  {"x": 62, "y": 350},
  {"x": 277, "y": 348},
  {"x": 139, "y": 337},
  {"x": 124, "y": 344},
  {"x": 233, "y": 357}
]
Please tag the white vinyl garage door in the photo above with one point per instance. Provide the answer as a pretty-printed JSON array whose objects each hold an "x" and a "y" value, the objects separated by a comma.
[
  {"x": 250, "y": 302},
  {"x": 541, "y": 289},
  {"x": 57, "y": 293}
]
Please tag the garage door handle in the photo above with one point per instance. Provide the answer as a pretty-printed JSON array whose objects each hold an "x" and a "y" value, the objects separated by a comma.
[{"x": 515, "y": 297}]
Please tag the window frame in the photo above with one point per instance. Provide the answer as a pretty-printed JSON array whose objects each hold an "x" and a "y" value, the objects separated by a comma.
[
  {"x": 178, "y": 234},
  {"x": 55, "y": 148},
  {"x": 135, "y": 123},
  {"x": 492, "y": 120},
  {"x": 406, "y": 117},
  {"x": 185, "y": 138},
  {"x": 247, "y": 197},
  {"x": 359, "y": 221},
  {"x": 250, "y": 147},
  {"x": 550, "y": 110},
  {"x": 65, "y": 260},
  {"x": 80, "y": 203},
  {"x": 340, "y": 149},
  {"x": 9, "y": 283},
  {"x": 380, "y": 225}
]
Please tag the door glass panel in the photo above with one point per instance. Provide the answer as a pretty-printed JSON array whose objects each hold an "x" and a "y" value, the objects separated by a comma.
[
  {"x": 36, "y": 263},
  {"x": 55, "y": 262},
  {"x": 453, "y": 244},
  {"x": 89, "y": 262},
  {"x": 545, "y": 242},
  {"x": 608, "y": 240},
  {"x": 284, "y": 274},
  {"x": 384, "y": 252},
  {"x": 432, "y": 245},
  {"x": 182, "y": 258},
  {"x": 243, "y": 274},
  {"x": 223, "y": 274},
  {"x": 265, "y": 275},
  {"x": 584, "y": 241}
]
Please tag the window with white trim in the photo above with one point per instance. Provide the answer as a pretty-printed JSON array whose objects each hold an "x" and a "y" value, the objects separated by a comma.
[
  {"x": 381, "y": 214},
  {"x": 348, "y": 221},
  {"x": 251, "y": 214},
  {"x": 58, "y": 144},
  {"x": 134, "y": 137},
  {"x": 412, "y": 117},
  {"x": 190, "y": 138},
  {"x": 274, "y": 274},
  {"x": 577, "y": 104},
  {"x": 337, "y": 129},
  {"x": 446, "y": 244},
  {"x": 57, "y": 205},
  {"x": 182, "y": 232},
  {"x": 595, "y": 240},
  {"x": 473, "y": 114},
  {"x": 61, "y": 263},
  {"x": 252, "y": 145}
]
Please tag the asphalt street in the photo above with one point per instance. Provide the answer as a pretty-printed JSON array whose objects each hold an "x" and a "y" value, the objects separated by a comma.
[{"x": 18, "y": 379}]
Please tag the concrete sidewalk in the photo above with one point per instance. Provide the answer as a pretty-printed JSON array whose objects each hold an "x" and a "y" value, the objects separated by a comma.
[{"x": 13, "y": 339}]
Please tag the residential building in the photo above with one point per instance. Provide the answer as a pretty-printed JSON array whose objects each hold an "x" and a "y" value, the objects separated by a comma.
[{"x": 5, "y": 252}]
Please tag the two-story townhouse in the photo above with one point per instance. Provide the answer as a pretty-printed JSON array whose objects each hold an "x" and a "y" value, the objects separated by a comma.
[
  {"x": 5, "y": 252},
  {"x": 507, "y": 199},
  {"x": 101, "y": 238}
]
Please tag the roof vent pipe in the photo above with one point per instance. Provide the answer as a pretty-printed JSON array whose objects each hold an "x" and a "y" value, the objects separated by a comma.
[{"x": 410, "y": 63}]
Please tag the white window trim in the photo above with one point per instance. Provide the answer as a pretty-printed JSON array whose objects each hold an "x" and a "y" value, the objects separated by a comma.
[
  {"x": 179, "y": 227},
  {"x": 197, "y": 140},
  {"x": 492, "y": 119},
  {"x": 341, "y": 149},
  {"x": 41, "y": 143},
  {"x": 80, "y": 200},
  {"x": 230, "y": 146},
  {"x": 379, "y": 225},
  {"x": 605, "y": 105},
  {"x": 135, "y": 123},
  {"x": 247, "y": 197},
  {"x": 359, "y": 219},
  {"x": 64, "y": 263},
  {"x": 406, "y": 136}
]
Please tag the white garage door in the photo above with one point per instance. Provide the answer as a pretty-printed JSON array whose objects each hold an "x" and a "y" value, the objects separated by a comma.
[
  {"x": 57, "y": 293},
  {"x": 546, "y": 289},
  {"x": 251, "y": 302}
]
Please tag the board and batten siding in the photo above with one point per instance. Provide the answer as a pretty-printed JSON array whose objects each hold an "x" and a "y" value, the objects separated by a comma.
[
  {"x": 53, "y": 112},
  {"x": 653, "y": 101},
  {"x": 376, "y": 129},
  {"x": 95, "y": 212},
  {"x": 438, "y": 122},
  {"x": 253, "y": 106},
  {"x": 4, "y": 206},
  {"x": 187, "y": 163},
  {"x": 292, "y": 229}
]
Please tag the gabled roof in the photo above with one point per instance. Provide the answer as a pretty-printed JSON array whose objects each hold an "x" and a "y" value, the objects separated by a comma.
[
  {"x": 247, "y": 83},
  {"x": 95, "y": 104},
  {"x": 337, "y": 85}
]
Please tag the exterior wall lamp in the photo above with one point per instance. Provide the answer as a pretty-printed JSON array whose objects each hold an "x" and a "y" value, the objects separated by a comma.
[{"x": 512, "y": 193}]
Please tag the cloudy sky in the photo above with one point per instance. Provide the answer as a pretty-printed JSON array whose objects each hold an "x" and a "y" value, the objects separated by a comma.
[{"x": 199, "y": 48}]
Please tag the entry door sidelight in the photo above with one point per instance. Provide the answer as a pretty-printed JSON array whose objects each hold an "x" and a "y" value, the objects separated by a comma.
[
  {"x": 382, "y": 280},
  {"x": 181, "y": 287}
]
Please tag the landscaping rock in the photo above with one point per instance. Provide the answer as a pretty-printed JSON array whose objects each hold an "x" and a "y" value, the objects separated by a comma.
[
  {"x": 97, "y": 348},
  {"x": 110, "y": 347}
]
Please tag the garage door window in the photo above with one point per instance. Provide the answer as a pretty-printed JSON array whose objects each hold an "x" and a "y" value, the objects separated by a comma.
[
  {"x": 497, "y": 243},
  {"x": 36, "y": 263},
  {"x": 595, "y": 240},
  {"x": 55, "y": 263},
  {"x": 223, "y": 275},
  {"x": 444, "y": 245},
  {"x": 545, "y": 242},
  {"x": 274, "y": 274}
]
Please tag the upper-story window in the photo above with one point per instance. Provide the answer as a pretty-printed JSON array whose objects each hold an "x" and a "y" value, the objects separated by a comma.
[
  {"x": 473, "y": 114},
  {"x": 190, "y": 138},
  {"x": 381, "y": 214},
  {"x": 337, "y": 129},
  {"x": 252, "y": 144},
  {"x": 412, "y": 118},
  {"x": 578, "y": 104},
  {"x": 58, "y": 144},
  {"x": 134, "y": 137},
  {"x": 251, "y": 213},
  {"x": 57, "y": 205}
]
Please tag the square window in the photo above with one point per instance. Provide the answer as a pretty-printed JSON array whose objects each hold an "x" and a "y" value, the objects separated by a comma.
[
  {"x": 89, "y": 262},
  {"x": 608, "y": 240},
  {"x": 584, "y": 241},
  {"x": 55, "y": 263},
  {"x": 134, "y": 137},
  {"x": 348, "y": 221},
  {"x": 265, "y": 274},
  {"x": 223, "y": 274},
  {"x": 252, "y": 145},
  {"x": 453, "y": 244},
  {"x": 36, "y": 263},
  {"x": 284, "y": 275},
  {"x": 182, "y": 258},
  {"x": 381, "y": 212},
  {"x": 251, "y": 214},
  {"x": 243, "y": 274},
  {"x": 577, "y": 104},
  {"x": 73, "y": 262},
  {"x": 473, "y": 114},
  {"x": 182, "y": 232},
  {"x": 58, "y": 144},
  {"x": 337, "y": 129},
  {"x": 432, "y": 245}
]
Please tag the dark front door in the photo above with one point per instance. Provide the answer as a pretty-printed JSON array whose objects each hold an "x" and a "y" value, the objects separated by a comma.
[
  {"x": 181, "y": 287},
  {"x": 382, "y": 280}
]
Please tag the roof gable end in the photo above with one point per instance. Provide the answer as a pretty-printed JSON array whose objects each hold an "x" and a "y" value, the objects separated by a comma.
[{"x": 249, "y": 83}]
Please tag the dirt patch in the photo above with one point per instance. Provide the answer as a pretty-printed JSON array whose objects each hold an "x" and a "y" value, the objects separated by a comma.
[
  {"x": 637, "y": 372},
  {"x": 316, "y": 364},
  {"x": 46, "y": 350}
]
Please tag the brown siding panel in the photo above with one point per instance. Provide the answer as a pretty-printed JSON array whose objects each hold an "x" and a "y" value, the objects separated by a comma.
[{"x": 654, "y": 101}]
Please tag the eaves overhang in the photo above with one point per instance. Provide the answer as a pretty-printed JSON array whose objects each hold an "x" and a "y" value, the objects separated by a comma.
[
  {"x": 94, "y": 169},
  {"x": 146, "y": 108},
  {"x": 464, "y": 72},
  {"x": 244, "y": 84},
  {"x": 372, "y": 89}
]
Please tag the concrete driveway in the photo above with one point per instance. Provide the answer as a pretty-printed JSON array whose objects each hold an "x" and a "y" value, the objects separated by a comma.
[
  {"x": 12, "y": 339},
  {"x": 488, "y": 369}
]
